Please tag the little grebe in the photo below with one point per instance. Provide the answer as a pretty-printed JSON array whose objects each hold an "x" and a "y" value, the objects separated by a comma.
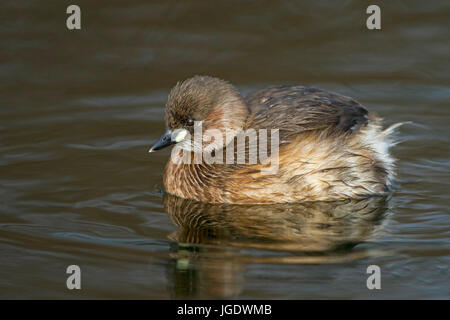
[{"x": 329, "y": 146}]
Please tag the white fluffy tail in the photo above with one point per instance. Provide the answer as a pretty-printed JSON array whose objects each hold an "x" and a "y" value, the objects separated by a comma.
[{"x": 390, "y": 132}]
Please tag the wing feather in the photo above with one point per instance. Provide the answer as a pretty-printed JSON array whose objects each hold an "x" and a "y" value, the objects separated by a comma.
[{"x": 295, "y": 109}]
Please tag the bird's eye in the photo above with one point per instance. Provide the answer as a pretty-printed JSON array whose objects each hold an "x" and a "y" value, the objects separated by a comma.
[{"x": 190, "y": 122}]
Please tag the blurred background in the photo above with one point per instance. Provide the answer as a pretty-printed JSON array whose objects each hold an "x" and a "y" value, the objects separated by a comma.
[{"x": 79, "y": 110}]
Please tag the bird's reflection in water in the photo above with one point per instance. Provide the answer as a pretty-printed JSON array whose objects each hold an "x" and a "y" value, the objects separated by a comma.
[{"x": 214, "y": 242}]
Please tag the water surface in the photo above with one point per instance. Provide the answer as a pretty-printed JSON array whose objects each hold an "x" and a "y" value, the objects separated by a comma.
[{"x": 79, "y": 110}]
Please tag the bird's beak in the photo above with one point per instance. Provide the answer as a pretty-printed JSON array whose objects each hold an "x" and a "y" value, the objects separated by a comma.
[
  {"x": 164, "y": 141},
  {"x": 170, "y": 137}
]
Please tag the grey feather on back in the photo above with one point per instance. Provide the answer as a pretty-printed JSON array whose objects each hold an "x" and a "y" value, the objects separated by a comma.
[{"x": 295, "y": 109}]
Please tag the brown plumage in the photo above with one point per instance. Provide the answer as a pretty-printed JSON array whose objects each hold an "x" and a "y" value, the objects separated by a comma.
[{"x": 330, "y": 147}]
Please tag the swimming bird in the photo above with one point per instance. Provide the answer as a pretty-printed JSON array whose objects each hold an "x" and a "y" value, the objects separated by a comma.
[{"x": 329, "y": 146}]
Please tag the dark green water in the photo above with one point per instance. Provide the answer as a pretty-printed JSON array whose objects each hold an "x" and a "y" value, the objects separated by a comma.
[{"x": 79, "y": 110}]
